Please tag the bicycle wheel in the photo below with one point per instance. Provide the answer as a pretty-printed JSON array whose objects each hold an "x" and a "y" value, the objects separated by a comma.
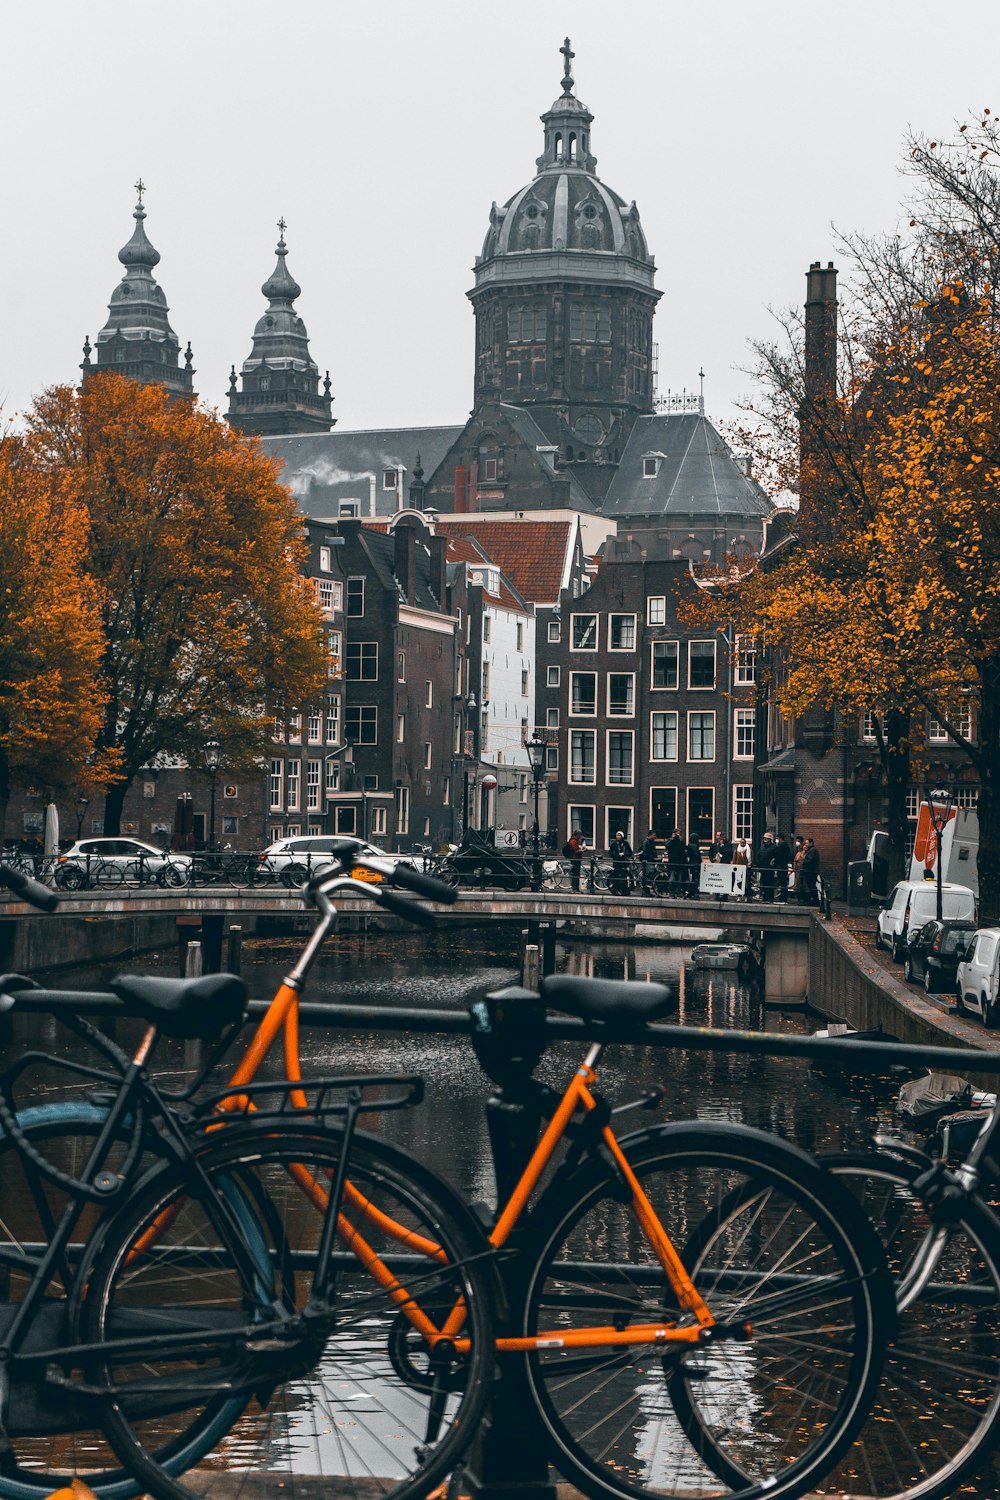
[
  {"x": 53, "y": 1438},
  {"x": 937, "y": 1411},
  {"x": 600, "y": 878},
  {"x": 556, "y": 876},
  {"x": 340, "y": 1395},
  {"x": 768, "y": 1406}
]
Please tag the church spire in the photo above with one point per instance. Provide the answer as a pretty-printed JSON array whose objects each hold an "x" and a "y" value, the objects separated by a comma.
[
  {"x": 280, "y": 378},
  {"x": 137, "y": 340},
  {"x": 567, "y": 126}
]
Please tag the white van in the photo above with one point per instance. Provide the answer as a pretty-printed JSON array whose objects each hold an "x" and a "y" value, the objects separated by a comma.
[
  {"x": 914, "y": 902},
  {"x": 977, "y": 982}
]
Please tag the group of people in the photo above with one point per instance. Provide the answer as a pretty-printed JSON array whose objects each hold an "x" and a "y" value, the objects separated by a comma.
[{"x": 780, "y": 868}]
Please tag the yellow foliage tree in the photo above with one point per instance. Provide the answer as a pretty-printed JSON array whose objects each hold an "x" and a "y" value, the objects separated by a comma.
[
  {"x": 195, "y": 552},
  {"x": 51, "y": 644}
]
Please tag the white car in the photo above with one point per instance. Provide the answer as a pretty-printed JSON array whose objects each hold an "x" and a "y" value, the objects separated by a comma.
[
  {"x": 977, "y": 980},
  {"x": 119, "y": 861},
  {"x": 293, "y": 860},
  {"x": 912, "y": 904}
]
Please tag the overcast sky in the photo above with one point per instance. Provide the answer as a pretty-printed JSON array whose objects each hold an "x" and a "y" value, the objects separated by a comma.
[{"x": 744, "y": 129}]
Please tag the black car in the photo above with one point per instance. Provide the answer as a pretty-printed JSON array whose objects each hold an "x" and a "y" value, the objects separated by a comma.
[{"x": 934, "y": 953}]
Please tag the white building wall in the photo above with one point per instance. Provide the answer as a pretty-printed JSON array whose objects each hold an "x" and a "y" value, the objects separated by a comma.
[{"x": 509, "y": 719}]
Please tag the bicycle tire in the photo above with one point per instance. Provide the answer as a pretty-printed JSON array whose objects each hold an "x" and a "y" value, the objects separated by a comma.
[
  {"x": 379, "y": 1420},
  {"x": 645, "y": 1421},
  {"x": 926, "y": 1434},
  {"x": 600, "y": 879},
  {"x": 556, "y": 876},
  {"x": 48, "y": 1458}
]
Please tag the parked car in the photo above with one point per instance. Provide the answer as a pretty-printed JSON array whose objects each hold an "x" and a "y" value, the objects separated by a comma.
[
  {"x": 977, "y": 980},
  {"x": 912, "y": 903},
  {"x": 293, "y": 860},
  {"x": 933, "y": 954},
  {"x": 119, "y": 861}
]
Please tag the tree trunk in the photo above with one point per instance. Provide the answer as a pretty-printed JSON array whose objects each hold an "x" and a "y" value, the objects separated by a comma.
[
  {"x": 114, "y": 801},
  {"x": 895, "y": 755},
  {"x": 989, "y": 804},
  {"x": 4, "y": 794}
]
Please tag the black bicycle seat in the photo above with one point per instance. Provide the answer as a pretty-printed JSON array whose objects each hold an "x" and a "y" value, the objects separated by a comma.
[
  {"x": 189, "y": 1009},
  {"x": 606, "y": 999}
]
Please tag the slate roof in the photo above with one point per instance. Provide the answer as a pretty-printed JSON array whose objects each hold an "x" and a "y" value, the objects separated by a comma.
[
  {"x": 698, "y": 474},
  {"x": 323, "y": 468},
  {"x": 382, "y": 549},
  {"x": 534, "y": 437},
  {"x": 532, "y": 554}
]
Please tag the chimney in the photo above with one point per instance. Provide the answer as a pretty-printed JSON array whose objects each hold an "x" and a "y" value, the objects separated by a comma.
[
  {"x": 438, "y": 545},
  {"x": 461, "y": 489},
  {"x": 404, "y": 561},
  {"x": 821, "y": 331}
]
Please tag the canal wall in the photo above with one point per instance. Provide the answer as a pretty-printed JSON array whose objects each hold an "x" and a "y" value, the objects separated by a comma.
[{"x": 28, "y": 944}]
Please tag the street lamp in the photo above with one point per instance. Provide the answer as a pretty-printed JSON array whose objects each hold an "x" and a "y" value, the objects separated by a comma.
[
  {"x": 536, "y": 759},
  {"x": 212, "y": 751},
  {"x": 939, "y": 805},
  {"x": 469, "y": 708},
  {"x": 82, "y": 803}
]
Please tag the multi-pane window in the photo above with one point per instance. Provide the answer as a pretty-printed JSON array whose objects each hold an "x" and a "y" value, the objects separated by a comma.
[
  {"x": 355, "y": 598},
  {"x": 583, "y": 692},
  {"x": 589, "y": 325},
  {"x": 552, "y": 677},
  {"x": 743, "y": 812},
  {"x": 583, "y": 630},
  {"x": 963, "y": 723},
  {"x": 332, "y": 720},
  {"x": 581, "y": 821},
  {"x": 277, "y": 785},
  {"x": 552, "y": 718},
  {"x": 402, "y": 809},
  {"x": 334, "y": 646},
  {"x": 621, "y": 694},
  {"x": 292, "y": 781},
  {"x": 869, "y": 721},
  {"x": 361, "y": 661},
  {"x": 324, "y": 592},
  {"x": 312, "y": 784},
  {"x": 664, "y": 669},
  {"x": 745, "y": 661},
  {"x": 700, "y": 813},
  {"x": 744, "y": 739},
  {"x": 967, "y": 796},
  {"x": 701, "y": 664},
  {"x": 361, "y": 723},
  {"x": 620, "y": 757},
  {"x": 656, "y": 610},
  {"x": 552, "y": 757},
  {"x": 701, "y": 736},
  {"x": 555, "y": 632},
  {"x": 621, "y": 633},
  {"x": 314, "y": 730},
  {"x": 912, "y": 801},
  {"x": 295, "y": 729},
  {"x": 332, "y": 776},
  {"x": 582, "y": 752},
  {"x": 525, "y": 325},
  {"x": 663, "y": 736},
  {"x": 380, "y": 822}
]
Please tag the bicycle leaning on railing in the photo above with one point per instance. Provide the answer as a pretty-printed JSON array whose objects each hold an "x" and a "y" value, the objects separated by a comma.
[{"x": 664, "y": 1281}]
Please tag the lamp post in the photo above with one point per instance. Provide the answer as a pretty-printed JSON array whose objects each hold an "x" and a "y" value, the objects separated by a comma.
[
  {"x": 212, "y": 751},
  {"x": 939, "y": 805},
  {"x": 469, "y": 708},
  {"x": 82, "y": 803},
  {"x": 536, "y": 758}
]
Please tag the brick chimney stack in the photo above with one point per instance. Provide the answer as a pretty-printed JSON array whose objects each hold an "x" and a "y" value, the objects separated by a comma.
[
  {"x": 404, "y": 561},
  {"x": 819, "y": 394}
]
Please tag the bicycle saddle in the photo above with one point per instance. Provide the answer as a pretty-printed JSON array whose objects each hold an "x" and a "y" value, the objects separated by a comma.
[
  {"x": 605, "y": 999},
  {"x": 189, "y": 1009}
]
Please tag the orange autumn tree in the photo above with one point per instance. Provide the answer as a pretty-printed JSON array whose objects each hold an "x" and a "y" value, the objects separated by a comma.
[
  {"x": 889, "y": 597},
  {"x": 51, "y": 645},
  {"x": 194, "y": 548}
]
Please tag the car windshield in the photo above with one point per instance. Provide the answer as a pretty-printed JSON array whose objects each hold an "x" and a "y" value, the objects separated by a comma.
[{"x": 956, "y": 939}]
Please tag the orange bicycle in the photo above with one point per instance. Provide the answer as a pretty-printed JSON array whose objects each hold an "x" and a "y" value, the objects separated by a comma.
[{"x": 698, "y": 1310}]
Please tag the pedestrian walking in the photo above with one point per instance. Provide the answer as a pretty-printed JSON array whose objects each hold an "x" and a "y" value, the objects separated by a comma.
[
  {"x": 621, "y": 853},
  {"x": 781, "y": 859},
  {"x": 573, "y": 851},
  {"x": 809, "y": 893},
  {"x": 742, "y": 859},
  {"x": 677, "y": 862},
  {"x": 765, "y": 867},
  {"x": 795, "y": 878},
  {"x": 650, "y": 856}
]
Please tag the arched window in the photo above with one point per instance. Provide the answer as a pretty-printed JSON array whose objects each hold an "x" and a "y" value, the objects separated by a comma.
[
  {"x": 559, "y": 145},
  {"x": 572, "y": 145},
  {"x": 569, "y": 454}
]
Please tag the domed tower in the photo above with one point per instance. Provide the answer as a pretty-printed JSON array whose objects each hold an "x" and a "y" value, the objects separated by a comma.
[
  {"x": 564, "y": 299},
  {"x": 137, "y": 340},
  {"x": 280, "y": 392}
]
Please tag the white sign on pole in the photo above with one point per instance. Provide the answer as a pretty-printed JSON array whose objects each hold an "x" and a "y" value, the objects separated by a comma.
[
  {"x": 723, "y": 880},
  {"x": 506, "y": 838}
]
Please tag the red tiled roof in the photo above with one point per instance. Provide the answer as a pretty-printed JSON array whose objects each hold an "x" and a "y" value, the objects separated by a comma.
[
  {"x": 464, "y": 549},
  {"x": 531, "y": 553}
]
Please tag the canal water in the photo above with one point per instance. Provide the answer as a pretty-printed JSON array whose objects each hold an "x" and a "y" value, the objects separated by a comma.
[{"x": 448, "y": 971}]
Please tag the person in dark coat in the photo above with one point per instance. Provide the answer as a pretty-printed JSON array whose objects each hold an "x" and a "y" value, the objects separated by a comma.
[
  {"x": 677, "y": 860},
  {"x": 720, "y": 850},
  {"x": 621, "y": 853},
  {"x": 763, "y": 861},
  {"x": 781, "y": 858},
  {"x": 694, "y": 865},
  {"x": 809, "y": 885}
]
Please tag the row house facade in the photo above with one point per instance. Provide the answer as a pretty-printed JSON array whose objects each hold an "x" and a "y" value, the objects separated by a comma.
[{"x": 657, "y": 721}]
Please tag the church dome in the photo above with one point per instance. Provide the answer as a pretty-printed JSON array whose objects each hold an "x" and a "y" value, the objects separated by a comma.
[{"x": 566, "y": 207}]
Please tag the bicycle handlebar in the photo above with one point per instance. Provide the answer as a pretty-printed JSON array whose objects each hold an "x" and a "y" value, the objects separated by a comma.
[
  {"x": 29, "y": 890},
  {"x": 424, "y": 885}
]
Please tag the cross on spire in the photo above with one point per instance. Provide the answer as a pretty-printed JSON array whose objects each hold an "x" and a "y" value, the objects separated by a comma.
[
  {"x": 282, "y": 226},
  {"x": 140, "y": 188},
  {"x": 568, "y": 56}
]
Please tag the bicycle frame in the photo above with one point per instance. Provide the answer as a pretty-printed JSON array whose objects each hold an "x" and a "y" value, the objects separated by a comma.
[{"x": 282, "y": 1016}]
